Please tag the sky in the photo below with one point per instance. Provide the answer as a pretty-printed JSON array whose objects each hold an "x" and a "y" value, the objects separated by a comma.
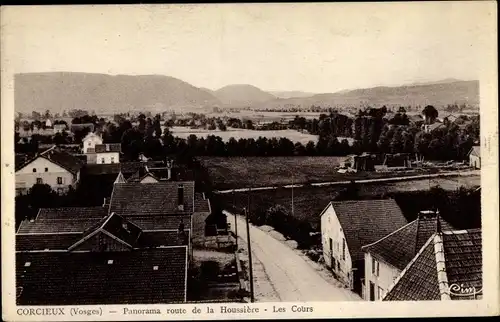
[{"x": 308, "y": 47}]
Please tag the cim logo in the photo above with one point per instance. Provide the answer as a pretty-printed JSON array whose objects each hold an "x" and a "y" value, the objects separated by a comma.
[{"x": 463, "y": 290}]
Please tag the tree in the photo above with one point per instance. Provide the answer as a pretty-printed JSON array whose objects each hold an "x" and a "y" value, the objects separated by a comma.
[
  {"x": 430, "y": 114},
  {"x": 35, "y": 115}
]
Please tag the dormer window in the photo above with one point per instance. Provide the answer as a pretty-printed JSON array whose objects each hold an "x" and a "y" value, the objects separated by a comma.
[
  {"x": 27, "y": 264},
  {"x": 110, "y": 262},
  {"x": 34, "y": 169},
  {"x": 155, "y": 268}
]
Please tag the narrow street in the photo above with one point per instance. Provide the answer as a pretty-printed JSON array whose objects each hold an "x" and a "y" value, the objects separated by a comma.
[{"x": 289, "y": 276}]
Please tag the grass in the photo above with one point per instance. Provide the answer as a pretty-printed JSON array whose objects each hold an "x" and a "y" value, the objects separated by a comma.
[
  {"x": 292, "y": 135},
  {"x": 243, "y": 172}
]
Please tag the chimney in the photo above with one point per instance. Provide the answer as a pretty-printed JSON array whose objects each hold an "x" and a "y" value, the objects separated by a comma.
[
  {"x": 180, "y": 197},
  {"x": 104, "y": 203}
]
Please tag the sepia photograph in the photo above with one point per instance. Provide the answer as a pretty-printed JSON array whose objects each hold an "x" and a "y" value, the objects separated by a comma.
[{"x": 241, "y": 154}]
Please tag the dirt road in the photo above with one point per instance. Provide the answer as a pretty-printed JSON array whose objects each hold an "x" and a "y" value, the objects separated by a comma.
[{"x": 291, "y": 277}]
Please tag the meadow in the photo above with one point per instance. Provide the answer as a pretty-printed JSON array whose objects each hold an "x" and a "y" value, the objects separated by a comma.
[{"x": 292, "y": 135}]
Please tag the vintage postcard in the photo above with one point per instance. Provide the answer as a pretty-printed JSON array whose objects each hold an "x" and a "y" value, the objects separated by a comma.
[{"x": 249, "y": 161}]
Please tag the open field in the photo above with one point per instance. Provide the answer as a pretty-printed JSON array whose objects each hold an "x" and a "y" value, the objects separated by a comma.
[
  {"x": 308, "y": 201},
  {"x": 243, "y": 172},
  {"x": 294, "y": 136}
]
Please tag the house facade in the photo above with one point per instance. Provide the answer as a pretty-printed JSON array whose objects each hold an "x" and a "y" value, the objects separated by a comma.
[
  {"x": 107, "y": 153},
  {"x": 348, "y": 225},
  {"x": 90, "y": 141},
  {"x": 335, "y": 252},
  {"x": 58, "y": 169},
  {"x": 475, "y": 157}
]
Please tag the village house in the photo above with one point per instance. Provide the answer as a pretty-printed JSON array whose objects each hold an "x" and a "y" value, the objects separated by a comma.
[
  {"x": 96, "y": 260},
  {"x": 475, "y": 157},
  {"x": 447, "y": 267},
  {"x": 348, "y": 225},
  {"x": 58, "y": 169},
  {"x": 90, "y": 141},
  {"x": 105, "y": 153},
  {"x": 386, "y": 258}
]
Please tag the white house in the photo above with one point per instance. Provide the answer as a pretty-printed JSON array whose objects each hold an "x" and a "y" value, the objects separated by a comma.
[
  {"x": 386, "y": 258},
  {"x": 56, "y": 168},
  {"x": 475, "y": 157},
  {"x": 348, "y": 225},
  {"x": 107, "y": 153},
  {"x": 58, "y": 128},
  {"x": 90, "y": 141}
]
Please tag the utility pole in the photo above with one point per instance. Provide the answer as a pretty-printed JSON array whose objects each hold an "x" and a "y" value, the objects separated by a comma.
[
  {"x": 250, "y": 266},
  {"x": 293, "y": 183},
  {"x": 235, "y": 223}
]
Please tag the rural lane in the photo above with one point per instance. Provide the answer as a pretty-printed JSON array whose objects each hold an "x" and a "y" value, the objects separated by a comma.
[
  {"x": 379, "y": 180},
  {"x": 292, "y": 278}
]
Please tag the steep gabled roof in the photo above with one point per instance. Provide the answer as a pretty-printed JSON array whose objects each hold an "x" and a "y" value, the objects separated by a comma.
[
  {"x": 452, "y": 259},
  {"x": 160, "y": 198},
  {"x": 115, "y": 226},
  {"x": 146, "y": 276},
  {"x": 401, "y": 246},
  {"x": 61, "y": 158},
  {"x": 366, "y": 221}
]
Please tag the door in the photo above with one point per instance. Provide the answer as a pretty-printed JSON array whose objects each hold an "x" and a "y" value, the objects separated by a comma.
[{"x": 372, "y": 291}]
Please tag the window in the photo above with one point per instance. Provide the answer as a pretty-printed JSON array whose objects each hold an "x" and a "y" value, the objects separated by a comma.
[
  {"x": 59, "y": 180},
  {"x": 102, "y": 160},
  {"x": 110, "y": 262},
  {"x": 89, "y": 144},
  {"x": 375, "y": 267},
  {"x": 338, "y": 266},
  {"x": 112, "y": 159},
  {"x": 155, "y": 268},
  {"x": 39, "y": 181},
  {"x": 27, "y": 264},
  {"x": 334, "y": 263},
  {"x": 34, "y": 169},
  {"x": 380, "y": 293},
  {"x": 46, "y": 169}
]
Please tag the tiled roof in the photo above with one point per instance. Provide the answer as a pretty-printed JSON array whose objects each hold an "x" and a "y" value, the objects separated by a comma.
[
  {"x": 108, "y": 147},
  {"x": 200, "y": 204},
  {"x": 420, "y": 281},
  {"x": 476, "y": 151},
  {"x": 70, "y": 213},
  {"x": 84, "y": 278},
  {"x": 163, "y": 238},
  {"x": 61, "y": 158},
  {"x": 462, "y": 263},
  {"x": 400, "y": 247},
  {"x": 55, "y": 226},
  {"x": 366, "y": 221},
  {"x": 463, "y": 253},
  {"x": 166, "y": 222},
  {"x": 151, "y": 198},
  {"x": 57, "y": 241}
]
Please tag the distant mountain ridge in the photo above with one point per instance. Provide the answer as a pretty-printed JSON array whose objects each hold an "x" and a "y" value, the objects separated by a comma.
[
  {"x": 58, "y": 91},
  {"x": 242, "y": 95}
]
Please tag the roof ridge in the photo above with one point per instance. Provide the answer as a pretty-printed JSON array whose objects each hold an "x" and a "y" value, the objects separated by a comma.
[
  {"x": 407, "y": 268},
  {"x": 387, "y": 236},
  {"x": 442, "y": 276}
]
